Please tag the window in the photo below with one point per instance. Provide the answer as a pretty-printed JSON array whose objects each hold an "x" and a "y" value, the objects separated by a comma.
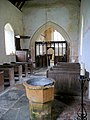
[
  {"x": 9, "y": 40},
  {"x": 58, "y": 36}
]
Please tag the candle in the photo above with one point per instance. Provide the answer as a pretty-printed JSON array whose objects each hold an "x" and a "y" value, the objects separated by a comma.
[
  {"x": 82, "y": 71},
  {"x": 81, "y": 42}
]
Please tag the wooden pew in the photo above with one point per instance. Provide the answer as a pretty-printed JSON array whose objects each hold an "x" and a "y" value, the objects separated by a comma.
[
  {"x": 8, "y": 75},
  {"x": 24, "y": 67},
  {"x": 17, "y": 70},
  {"x": 66, "y": 76},
  {"x": 1, "y": 81},
  {"x": 23, "y": 59},
  {"x": 67, "y": 65}
]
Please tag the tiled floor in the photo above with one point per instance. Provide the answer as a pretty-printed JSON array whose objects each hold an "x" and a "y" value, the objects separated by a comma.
[{"x": 14, "y": 105}]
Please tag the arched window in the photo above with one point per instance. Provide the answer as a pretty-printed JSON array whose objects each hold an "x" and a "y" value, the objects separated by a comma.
[
  {"x": 58, "y": 36},
  {"x": 9, "y": 40}
]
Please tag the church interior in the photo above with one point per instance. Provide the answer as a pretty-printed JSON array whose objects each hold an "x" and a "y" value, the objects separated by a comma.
[{"x": 44, "y": 63}]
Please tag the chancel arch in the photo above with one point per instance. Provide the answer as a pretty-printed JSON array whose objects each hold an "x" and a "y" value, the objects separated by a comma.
[{"x": 46, "y": 34}]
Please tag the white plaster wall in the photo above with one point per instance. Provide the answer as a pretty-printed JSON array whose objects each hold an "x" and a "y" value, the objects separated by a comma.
[
  {"x": 9, "y": 13},
  {"x": 85, "y": 12},
  {"x": 65, "y": 14}
]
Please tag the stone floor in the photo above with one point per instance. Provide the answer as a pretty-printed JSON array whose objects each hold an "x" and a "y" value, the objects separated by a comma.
[{"x": 14, "y": 104}]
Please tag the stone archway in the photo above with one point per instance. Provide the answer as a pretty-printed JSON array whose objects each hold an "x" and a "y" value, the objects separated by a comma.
[{"x": 43, "y": 28}]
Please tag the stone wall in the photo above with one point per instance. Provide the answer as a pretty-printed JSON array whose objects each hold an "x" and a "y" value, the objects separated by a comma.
[
  {"x": 63, "y": 13},
  {"x": 9, "y": 14}
]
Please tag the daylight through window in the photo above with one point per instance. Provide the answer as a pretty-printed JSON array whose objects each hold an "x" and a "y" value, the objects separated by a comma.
[{"x": 9, "y": 40}]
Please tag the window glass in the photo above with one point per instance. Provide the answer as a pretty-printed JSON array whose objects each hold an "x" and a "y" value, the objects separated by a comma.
[{"x": 9, "y": 40}]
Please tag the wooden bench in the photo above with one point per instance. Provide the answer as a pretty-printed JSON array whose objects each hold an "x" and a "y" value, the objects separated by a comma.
[
  {"x": 1, "y": 81},
  {"x": 67, "y": 65},
  {"x": 24, "y": 67},
  {"x": 8, "y": 75},
  {"x": 23, "y": 59},
  {"x": 17, "y": 70},
  {"x": 66, "y": 76}
]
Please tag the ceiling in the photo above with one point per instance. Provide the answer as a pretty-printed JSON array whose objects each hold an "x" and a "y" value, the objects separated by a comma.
[{"x": 20, "y": 3}]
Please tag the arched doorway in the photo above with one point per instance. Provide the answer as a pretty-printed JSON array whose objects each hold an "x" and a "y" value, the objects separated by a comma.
[
  {"x": 50, "y": 55},
  {"x": 41, "y": 35}
]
